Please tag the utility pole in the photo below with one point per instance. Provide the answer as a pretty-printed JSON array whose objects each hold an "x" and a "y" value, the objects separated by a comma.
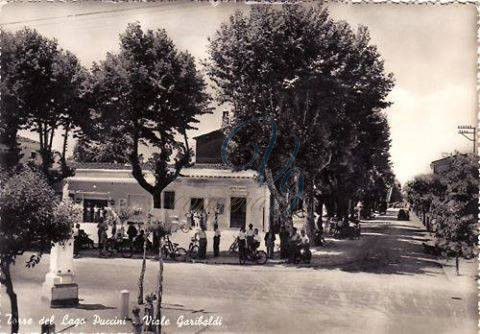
[{"x": 469, "y": 132}]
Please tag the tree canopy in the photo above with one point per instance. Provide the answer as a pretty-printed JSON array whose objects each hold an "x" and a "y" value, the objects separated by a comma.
[
  {"x": 41, "y": 88},
  {"x": 321, "y": 83},
  {"x": 152, "y": 94},
  {"x": 450, "y": 199}
]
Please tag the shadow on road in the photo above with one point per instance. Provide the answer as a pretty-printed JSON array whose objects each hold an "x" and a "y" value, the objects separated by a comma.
[
  {"x": 94, "y": 307},
  {"x": 391, "y": 248}
]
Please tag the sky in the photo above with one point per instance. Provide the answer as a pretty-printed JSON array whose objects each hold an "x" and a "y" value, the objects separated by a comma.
[{"x": 430, "y": 49}]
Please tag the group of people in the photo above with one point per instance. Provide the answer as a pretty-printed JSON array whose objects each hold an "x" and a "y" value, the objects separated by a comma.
[
  {"x": 292, "y": 243},
  {"x": 248, "y": 241},
  {"x": 201, "y": 234},
  {"x": 104, "y": 233}
]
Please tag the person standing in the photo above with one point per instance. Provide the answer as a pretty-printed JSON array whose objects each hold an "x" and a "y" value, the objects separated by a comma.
[
  {"x": 241, "y": 243},
  {"x": 216, "y": 240},
  {"x": 256, "y": 241},
  {"x": 283, "y": 242},
  {"x": 270, "y": 243},
  {"x": 293, "y": 245},
  {"x": 102, "y": 231},
  {"x": 131, "y": 231},
  {"x": 203, "y": 218},
  {"x": 249, "y": 236},
  {"x": 202, "y": 242}
]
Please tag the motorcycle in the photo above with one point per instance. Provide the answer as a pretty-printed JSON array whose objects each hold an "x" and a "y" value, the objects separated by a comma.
[{"x": 304, "y": 255}]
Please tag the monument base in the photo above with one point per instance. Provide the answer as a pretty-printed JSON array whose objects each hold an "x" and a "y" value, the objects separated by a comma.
[{"x": 60, "y": 291}]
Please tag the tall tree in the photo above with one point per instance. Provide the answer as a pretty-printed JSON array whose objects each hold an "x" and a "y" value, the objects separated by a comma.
[
  {"x": 106, "y": 151},
  {"x": 306, "y": 73},
  {"x": 30, "y": 218},
  {"x": 11, "y": 112},
  {"x": 43, "y": 92},
  {"x": 153, "y": 94}
]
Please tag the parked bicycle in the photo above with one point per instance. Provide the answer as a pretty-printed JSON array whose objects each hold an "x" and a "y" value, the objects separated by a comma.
[
  {"x": 170, "y": 250},
  {"x": 123, "y": 246},
  {"x": 257, "y": 256},
  {"x": 126, "y": 247},
  {"x": 233, "y": 247},
  {"x": 193, "y": 248}
]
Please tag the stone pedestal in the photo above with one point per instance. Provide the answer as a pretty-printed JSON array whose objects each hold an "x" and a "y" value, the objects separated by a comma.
[{"x": 59, "y": 288}]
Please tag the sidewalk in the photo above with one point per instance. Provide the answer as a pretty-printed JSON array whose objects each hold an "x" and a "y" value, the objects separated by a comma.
[
  {"x": 468, "y": 268},
  {"x": 334, "y": 253}
]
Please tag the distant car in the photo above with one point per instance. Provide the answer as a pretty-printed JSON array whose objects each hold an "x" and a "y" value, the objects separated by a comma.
[{"x": 403, "y": 215}]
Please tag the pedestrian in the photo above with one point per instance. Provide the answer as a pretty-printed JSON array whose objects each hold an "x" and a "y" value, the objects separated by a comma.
[
  {"x": 202, "y": 242},
  {"x": 114, "y": 227},
  {"x": 249, "y": 236},
  {"x": 304, "y": 240},
  {"x": 102, "y": 242},
  {"x": 131, "y": 231},
  {"x": 216, "y": 240},
  {"x": 137, "y": 323},
  {"x": 241, "y": 243},
  {"x": 270, "y": 243},
  {"x": 76, "y": 238},
  {"x": 99, "y": 230},
  {"x": 203, "y": 218},
  {"x": 255, "y": 241},
  {"x": 283, "y": 242},
  {"x": 293, "y": 245}
]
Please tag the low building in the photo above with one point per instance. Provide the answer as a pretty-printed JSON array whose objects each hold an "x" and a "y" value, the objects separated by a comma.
[
  {"x": 235, "y": 196},
  {"x": 29, "y": 150},
  {"x": 442, "y": 165}
]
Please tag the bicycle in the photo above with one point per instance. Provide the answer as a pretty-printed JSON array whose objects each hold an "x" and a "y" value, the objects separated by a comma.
[
  {"x": 193, "y": 248},
  {"x": 123, "y": 246},
  {"x": 172, "y": 251},
  {"x": 258, "y": 256},
  {"x": 233, "y": 247}
]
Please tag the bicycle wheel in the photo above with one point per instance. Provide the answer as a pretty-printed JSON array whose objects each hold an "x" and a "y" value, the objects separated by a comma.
[
  {"x": 180, "y": 254},
  {"x": 233, "y": 248},
  {"x": 109, "y": 247},
  {"x": 126, "y": 249},
  {"x": 261, "y": 257},
  {"x": 193, "y": 252},
  {"x": 165, "y": 252}
]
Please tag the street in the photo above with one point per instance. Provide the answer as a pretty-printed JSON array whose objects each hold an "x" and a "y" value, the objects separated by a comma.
[{"x": 390, "y": 286}]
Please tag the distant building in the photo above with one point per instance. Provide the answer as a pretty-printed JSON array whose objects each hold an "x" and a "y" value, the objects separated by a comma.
[
  {"x": 209, "y": 185},
  {"x": 29, "y": 150},
  {"x": 442, "y": 165}
]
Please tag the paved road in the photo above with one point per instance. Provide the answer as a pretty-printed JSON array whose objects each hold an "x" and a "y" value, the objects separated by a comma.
[{"x": 392, "y": 288}]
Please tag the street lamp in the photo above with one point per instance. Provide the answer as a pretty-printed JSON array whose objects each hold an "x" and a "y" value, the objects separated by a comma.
[{"x": 469, "y": 132}]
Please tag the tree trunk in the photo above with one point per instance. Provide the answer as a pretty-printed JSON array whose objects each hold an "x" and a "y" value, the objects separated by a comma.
[
  {"x": 319, "y": 211},
  {"x": 159, "y": 288},
  {"x": 142, "y": 272},
  {"x": 157, "y": 205},
  {"x": 310, "y": 215},
  {"x": 281, "y": 204},
  {"x": 457, "y": 265},
  {"x": 5, "y": 265}
]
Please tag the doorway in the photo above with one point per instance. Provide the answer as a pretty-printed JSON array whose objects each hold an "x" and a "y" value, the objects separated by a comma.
[{"x": 238, "y": 211}]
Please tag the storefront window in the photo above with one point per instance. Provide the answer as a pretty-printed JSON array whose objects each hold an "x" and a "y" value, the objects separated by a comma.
[{"x": 169, "y": 200}]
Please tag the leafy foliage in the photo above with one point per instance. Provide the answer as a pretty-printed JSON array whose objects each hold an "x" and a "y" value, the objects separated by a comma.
[
  {"x": 108, "y": 151},
  {"x": 319, "y": 81},
  {"x": 152, "y": 94},
  {"x": 41, "y": 89},
  {"x": 451, "y": 198}
]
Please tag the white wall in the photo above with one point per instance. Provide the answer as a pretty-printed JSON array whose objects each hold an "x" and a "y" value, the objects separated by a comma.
[{"x": 118, "y": 185}]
